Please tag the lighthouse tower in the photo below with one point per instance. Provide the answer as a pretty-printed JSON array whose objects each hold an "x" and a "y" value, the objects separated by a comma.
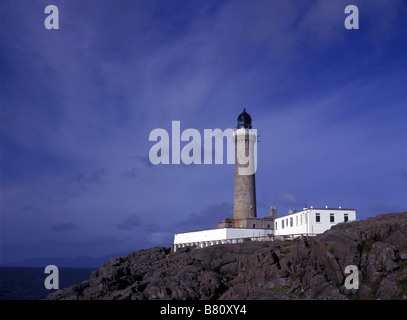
[{"x": 245, "y": 139}]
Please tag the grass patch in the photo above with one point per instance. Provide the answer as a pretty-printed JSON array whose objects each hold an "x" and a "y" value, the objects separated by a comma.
[
  {"x": 285, "y": 250},
  {"x": 367, "y": 246},
  {"x": 402, "y": 284}
]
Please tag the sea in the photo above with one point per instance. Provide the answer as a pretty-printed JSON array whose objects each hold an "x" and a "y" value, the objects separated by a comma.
[{"x": 27, "y": 283}]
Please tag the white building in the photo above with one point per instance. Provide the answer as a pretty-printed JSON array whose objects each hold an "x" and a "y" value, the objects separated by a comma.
[
  {"x": 308, "y": 222},
  {"x": 210, "y": 237},
  {"x": 312, "y": 221}
]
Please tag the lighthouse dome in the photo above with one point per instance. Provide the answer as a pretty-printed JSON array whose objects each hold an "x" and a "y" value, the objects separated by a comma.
[{"x": 244, "y": 120}]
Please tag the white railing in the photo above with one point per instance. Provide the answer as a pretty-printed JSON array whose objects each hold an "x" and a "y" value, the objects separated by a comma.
[{"x": 208, "y": 243}]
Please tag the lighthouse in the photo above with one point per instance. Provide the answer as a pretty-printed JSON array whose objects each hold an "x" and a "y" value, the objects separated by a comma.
[
  {"x": 245, "y": 138},
  {"x": 244, "y": 196},
  {"x": 245, "y": 225}
]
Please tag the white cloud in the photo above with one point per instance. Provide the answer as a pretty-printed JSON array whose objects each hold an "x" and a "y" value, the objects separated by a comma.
[{"x": 159, "y": 237}]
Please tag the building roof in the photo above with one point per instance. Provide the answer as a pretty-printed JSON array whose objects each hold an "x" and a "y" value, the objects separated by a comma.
[
  {"x": 244, "y": 120},
  {"x": 318, "y": 209}
]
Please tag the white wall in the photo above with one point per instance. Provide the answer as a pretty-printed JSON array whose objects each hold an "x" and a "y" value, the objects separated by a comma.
[
  {"x": 203, "y": 235},
  {"x": 236, "y": 233},
  {"x": 293, "y": 224},
  {"x": 304, "y": 222},
  {"x": 211, "y": 237}
]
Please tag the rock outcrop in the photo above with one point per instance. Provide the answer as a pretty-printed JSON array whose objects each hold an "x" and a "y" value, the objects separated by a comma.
[{"x": 305, "y": 268}]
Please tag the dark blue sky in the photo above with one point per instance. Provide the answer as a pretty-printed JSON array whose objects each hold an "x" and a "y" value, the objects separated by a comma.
[{"x": 78, "y": 105}]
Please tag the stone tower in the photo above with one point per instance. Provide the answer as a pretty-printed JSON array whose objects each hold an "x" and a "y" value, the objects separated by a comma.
[{"x": 244, "y": 138}]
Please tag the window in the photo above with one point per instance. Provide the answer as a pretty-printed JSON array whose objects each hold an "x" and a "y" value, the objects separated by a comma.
[
  {"x": 282, "y": 224},
  {"x": 291, "y": 221},
  {"x": 296, "y": 220},
  {"x": 254, "y": 225},
  {"x": 276, "y": 225},
  {"x": 268, "y": 226},
  {"x": 301, "y": 219},
  {"x": 346, "y": 217},
  {"x": 317, "y": 217},
  {"x": 332, "y": 217}
]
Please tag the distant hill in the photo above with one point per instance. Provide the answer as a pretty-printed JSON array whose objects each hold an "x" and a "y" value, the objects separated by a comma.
[
  {"x": 305, "y": 268},
  {"x": 68, "y": 262}
]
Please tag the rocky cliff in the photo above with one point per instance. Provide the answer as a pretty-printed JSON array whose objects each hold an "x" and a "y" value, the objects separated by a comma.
[{"x": 305, "y": 268}]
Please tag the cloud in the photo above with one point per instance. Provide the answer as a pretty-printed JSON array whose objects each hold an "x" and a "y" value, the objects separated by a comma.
[
  {"x": 290, "y": 200},
  {"x": 75, "y": 244},
  {"x": 91, "y": 177},
  {"x": 288, "y": 29},
  {"x": 383, "y": 208},
  {"x": 130, "y": 222},
  {"x": 64, "y": 226},
  {"x": 32, "y": 209},
  {"x": 160, "y": 237},
  {"x": 402, "y": 174},
  {"x": 76, "y": 184},
  {"x": 207, "y": 218},
  {"x": 132, "y": 173}
]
